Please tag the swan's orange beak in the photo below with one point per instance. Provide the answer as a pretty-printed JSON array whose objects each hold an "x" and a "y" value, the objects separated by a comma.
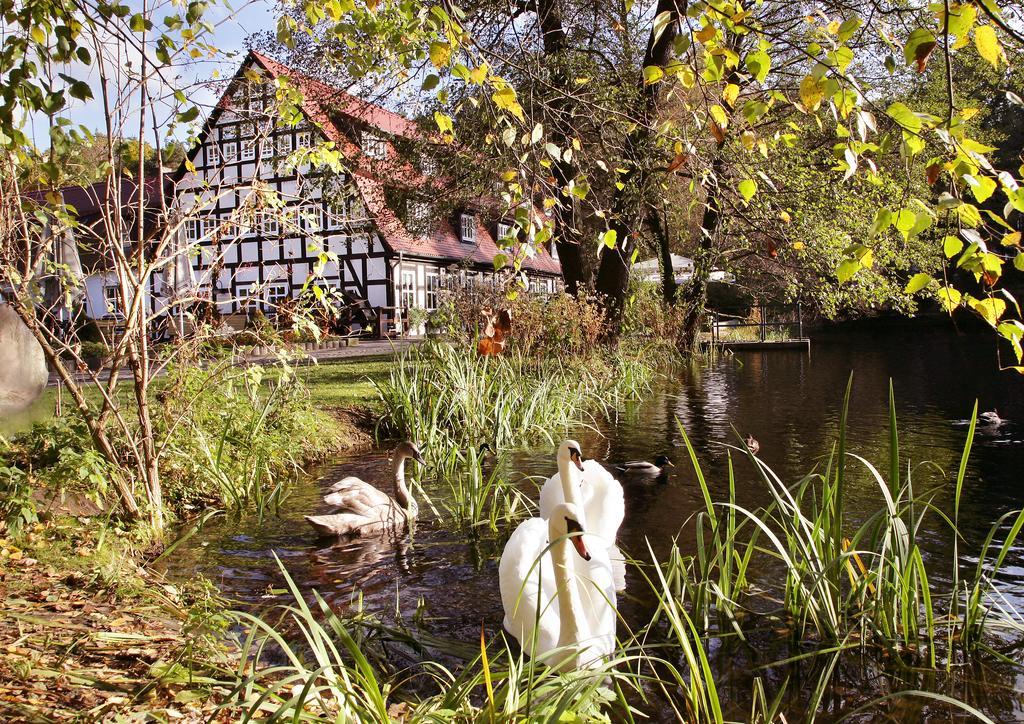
[
  {"x": 577, "y": 457},
  {"x": 576, "y": 536}
]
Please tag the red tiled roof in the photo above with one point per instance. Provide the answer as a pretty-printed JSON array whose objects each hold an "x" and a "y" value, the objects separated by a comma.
[{"x": 319, "y": 101}]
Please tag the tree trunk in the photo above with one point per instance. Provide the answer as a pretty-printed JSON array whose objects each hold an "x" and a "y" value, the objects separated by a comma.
[
  {"x": 695, "y": 294},
  {"x": 613, "y": 271},
  {"x": 567, "y": 232},
  {"x": 659, "y": 227},
  {"x": 96, "y": 431}
]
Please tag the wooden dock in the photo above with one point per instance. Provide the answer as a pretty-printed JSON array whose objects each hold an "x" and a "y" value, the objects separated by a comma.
[{"x": 769, "y": 327}]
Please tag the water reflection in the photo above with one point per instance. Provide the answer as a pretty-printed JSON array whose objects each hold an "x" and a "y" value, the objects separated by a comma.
[{"x": 789, "y": 401}]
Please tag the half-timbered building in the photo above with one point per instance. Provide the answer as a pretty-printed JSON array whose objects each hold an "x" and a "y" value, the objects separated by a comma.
[{"x": 276, "y": 202}]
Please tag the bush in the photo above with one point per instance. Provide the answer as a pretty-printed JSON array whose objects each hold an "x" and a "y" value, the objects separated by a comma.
[{"x": 542, "y": 325}]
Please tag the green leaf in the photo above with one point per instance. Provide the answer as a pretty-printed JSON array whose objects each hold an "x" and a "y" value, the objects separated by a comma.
[
  {"x": 883, "y": 220},
  {"x": 848, "y": 28},
  {"x": 1018, "y": 262},
  {"x": 747, "y": 189},
  {"x": 430, "y": 82},
  {"x": 759, "y": 64},
  {"x": 949, "y": 297},
  {"x": 652, "y": 74},
  {"x": 918, "y": 282},
  {"x": 981, "y": 186},
  {"x": 847, "y": 269},
  {"x": 951, "y": 246},
  {"x": 188, "y": 115},
  {"x": 609, "y": 238},
  {"x": 987, "y": 42},
  {"x": 919, "y": 48},
  {"x": 904, "y": 116}
]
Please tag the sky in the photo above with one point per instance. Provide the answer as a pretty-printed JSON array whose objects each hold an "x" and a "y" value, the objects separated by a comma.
[{"x": 233, "y": 27}]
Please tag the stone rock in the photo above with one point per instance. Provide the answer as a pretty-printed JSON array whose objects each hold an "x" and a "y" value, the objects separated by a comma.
[{"x": 23, "y": 372}]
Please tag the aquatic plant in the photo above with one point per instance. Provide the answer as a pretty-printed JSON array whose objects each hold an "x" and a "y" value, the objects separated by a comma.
[
  {"x": 863, "y": 587},
  {"x": 447, "y": 397}
]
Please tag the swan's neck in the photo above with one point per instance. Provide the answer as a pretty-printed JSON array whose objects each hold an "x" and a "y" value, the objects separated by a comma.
[
  {"x": 571, "y": 630},
  {"x": 569, "y": 476},
  {"x": 402, "y": 495}
]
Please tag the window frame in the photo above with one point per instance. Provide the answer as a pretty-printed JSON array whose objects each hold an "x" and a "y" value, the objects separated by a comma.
[
  {"x": 432, "y": 286},
  {"x": 374, "y": 145},
  {"x": 467, "y": 228},
  {"x": 403, "y": 290}
]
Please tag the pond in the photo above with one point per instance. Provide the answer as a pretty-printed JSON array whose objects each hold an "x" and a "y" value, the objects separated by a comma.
[{"x": 789, "y": 401}]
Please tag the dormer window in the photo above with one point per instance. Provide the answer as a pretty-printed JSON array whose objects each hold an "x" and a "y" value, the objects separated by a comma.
[
  {"x": 504, "y": 230},
  {"x": 419, "y": 215},
  {"x": 554, "y": 251},
  {"x": 374, "y": 146},
  {"x": 428, "y": 164},
  {"x": 467, "y": 228}
]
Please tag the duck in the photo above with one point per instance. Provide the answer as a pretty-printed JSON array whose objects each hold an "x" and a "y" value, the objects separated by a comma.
[
  {"x": 559, "y": 603},
  {"x": 753, "y": 445},
  {"x": 363, "y": 510},
  {"x": 596, "y": 494},
  {"x": 640, "y": 469},
  {"x": 990, "y": 419}
]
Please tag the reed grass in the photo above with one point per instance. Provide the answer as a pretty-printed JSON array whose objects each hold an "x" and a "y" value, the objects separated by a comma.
[{"x": 450, "y": 398}]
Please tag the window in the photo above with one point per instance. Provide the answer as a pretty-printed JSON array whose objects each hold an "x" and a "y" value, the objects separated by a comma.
[
  {"x": 407, "y": 292},
  {"x": 270, "y": 225},
  {"x": 212, "y": 155},
  {"x": 504, "y": 230},
  {"x": 267, "y": 148},
  {"x": 229, "y": 151},
  {"x": 210, "y": 224},
  {"x": 303, "y": 140},
  {"x": 374, "y": 146},
  {"x": 284, "y": 144},
  {"x": 274, "y": 294},
  {"x": 249, "y": 150},
  {"x": 467, "y": 228},
  {"x": 419, "y": 215},
  {"x": 193, "y": 229},
  {"x": 112, "y": 300},
  {"x": 311, "y": 218},
  {"x": 428, "y": 164},
  {"x": 228, "y": 132},
  {"x": 433, "y": 284}
]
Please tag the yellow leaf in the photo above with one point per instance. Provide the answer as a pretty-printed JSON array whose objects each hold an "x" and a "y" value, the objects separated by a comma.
[
  {"x": 786, "y": 218},
  {"x": 440, "y": 54},
  {"x": 479, "y": 74},
  {"x": 1012, "y": 239},
  {"x": 811, "y": 93},
  {"x": 988, "y": 44},
  {"x": 798, "y": 245},
  {"x": 706, "y": 33},
  {"x": 730, "y": 94},
  {"x": 968, "y": 113}
]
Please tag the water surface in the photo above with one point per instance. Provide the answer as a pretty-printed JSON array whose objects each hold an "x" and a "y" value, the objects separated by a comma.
[{"x": 787, "y": 400}]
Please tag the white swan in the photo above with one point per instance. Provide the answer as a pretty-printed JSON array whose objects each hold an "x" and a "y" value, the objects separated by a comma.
[
  {"x": 363, "y": 509},
  {"x": 560, "y": 612}
]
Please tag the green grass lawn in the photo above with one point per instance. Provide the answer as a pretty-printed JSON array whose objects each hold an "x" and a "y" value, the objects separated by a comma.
[
  {"x": 344, "y": 383},
  {"x": 341, "y": 383}
]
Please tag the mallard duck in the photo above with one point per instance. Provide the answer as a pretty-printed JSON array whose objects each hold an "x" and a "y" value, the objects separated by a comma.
[
  {"x": 363, "y": 510},
  {"x": 642, "y": 469},
  {"x": 753, "y": 445}
]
